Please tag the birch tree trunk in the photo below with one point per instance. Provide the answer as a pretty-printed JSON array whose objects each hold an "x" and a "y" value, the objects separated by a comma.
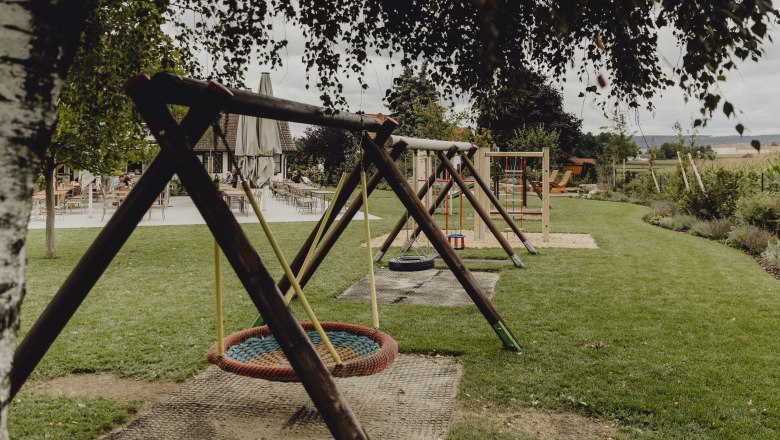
[{"x": 37, "y": 42}]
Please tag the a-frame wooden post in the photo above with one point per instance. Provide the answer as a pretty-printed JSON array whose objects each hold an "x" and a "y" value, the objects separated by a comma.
[
  {"x": 408, "y": 197},
  {"x": 262, "y": 289},
  {"x": 431, "y": 211},
  {"x": 104, "y": 248},
  {"x": 405, "y": 216},
  {"x": 464, "y": 190},
  {"x": 497, "y": 204}
]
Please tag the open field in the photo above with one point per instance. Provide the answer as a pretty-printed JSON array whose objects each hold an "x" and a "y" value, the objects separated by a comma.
[
  {"x": 666, "y": 165},
  {"x": 665, "y": 335}
]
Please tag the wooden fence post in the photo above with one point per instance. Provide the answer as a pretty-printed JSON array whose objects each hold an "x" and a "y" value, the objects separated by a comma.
[
  {"x": 682, "y": 170},
  {"x": 696, "y": 172}
]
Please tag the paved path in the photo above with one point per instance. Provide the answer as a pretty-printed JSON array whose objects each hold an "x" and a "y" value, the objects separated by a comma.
[{"x": 182, "y": 211}]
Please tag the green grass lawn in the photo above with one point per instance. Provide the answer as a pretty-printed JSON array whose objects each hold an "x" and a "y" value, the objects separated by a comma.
[{"x": 671, "y": 335}]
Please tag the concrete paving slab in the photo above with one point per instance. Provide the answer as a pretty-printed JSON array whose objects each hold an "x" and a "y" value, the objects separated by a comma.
[
  {"x": 425, "y": 287},
  {"x": 182, "y": 211}
]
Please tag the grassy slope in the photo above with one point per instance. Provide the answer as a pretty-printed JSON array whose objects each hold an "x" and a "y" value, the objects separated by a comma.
[{"x": 689, "y": 324}]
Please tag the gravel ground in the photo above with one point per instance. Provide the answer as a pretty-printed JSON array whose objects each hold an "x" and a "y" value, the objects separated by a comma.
[{"x": 557, "y": 240}]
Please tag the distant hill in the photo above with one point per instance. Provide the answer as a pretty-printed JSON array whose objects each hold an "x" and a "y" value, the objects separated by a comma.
[{"x": 765, "y": 139}]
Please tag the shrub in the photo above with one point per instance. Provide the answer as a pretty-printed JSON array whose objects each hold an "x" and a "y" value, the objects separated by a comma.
[
  {"x": 618, "y": 197},
  {"x": 701, "y": 229},
  {"x": 720, "y": 228},
  {"x": 721, "y": 197},
  {"x": 640, "y": 187},
  {"x": 663, "y": 208},
  {"x": 701, "y": 205},
  {"x": 761, "y": 210},
  {"x": 653, "y": 219},
  {"x": 772, "y": 254},
  {"x": 682, "y": 222},
  {"x": 666, "y": 222},
  {"x": 177, "y": 189},
  {"x": 749, "y": 238}
]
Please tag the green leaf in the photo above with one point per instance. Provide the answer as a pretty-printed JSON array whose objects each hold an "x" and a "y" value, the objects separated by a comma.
[
  {"x": 728, "y": 108},
  {"x": 756, "y": 144},
  {"x": 740, "y": 128}
]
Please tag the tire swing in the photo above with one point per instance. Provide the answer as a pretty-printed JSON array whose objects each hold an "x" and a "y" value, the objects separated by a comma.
[
  {"x": 347, "y": 350},
  {"x": 410, "y": 263}
]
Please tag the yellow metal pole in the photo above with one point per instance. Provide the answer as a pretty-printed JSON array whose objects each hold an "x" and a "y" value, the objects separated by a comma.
[
  {"x": 288, "y": 272},
  {"x": 317, "y": 238},
  {"x": 369, "y": 254},
  {"x": 218, "y": 290}
]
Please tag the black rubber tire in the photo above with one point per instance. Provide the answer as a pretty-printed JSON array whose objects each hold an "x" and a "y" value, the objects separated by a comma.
[{"x": 411, "y": 263}]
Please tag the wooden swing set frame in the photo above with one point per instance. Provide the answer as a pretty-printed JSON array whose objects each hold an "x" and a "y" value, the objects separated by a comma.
[
  {"x": 445, "y": 164},
  {"x": 206, "y": 100}
]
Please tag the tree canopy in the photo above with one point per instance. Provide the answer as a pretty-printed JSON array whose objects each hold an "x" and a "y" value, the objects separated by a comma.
[
  {"x": 414, "y": 103},
  {"x": 525, "y": 102},
  {"x": 334, "y": 148},
  {"x": 472, "y": 47},
  {"x": 97, "y": 128},
  {"x": 411, "y": 92}
]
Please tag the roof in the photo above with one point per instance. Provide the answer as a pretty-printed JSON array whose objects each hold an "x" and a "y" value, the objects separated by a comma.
[
  {"x": 229, "y": 125},
  {"x": 288, "y": 146}
]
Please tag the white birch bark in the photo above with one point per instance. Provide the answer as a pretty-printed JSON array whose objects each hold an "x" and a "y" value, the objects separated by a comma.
[
  {"x": 17, "y": 164},
  {"x": 32, "y": 63}
]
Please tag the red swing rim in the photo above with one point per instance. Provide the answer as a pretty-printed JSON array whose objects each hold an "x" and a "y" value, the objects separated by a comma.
[{"x": 372, "y": 364}]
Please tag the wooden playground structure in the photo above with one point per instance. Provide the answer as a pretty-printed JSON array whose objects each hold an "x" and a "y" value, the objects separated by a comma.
[
  {"x": 542, "y": 188},
  {"x": 485, "y": 201},
  {"x": 206, "y": 101}
]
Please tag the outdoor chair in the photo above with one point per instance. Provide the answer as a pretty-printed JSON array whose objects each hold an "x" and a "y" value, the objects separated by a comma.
[
  {"x": 78, "y": 201},
  {"x": 302, "y": 201},
  {"x": 161, "y": 202},
  {"x": 560, "y": 187},
  {"x": 555, "y": 187}
]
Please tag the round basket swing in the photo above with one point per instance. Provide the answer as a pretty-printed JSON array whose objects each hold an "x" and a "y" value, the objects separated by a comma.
[{"x": 346, "y": 349}]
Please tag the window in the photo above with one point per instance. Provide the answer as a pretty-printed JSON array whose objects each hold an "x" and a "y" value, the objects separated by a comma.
[{"x": 277, "y": 163}]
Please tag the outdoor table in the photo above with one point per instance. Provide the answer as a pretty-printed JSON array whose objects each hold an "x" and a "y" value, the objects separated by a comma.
[
  {"x": 233, "y": 192},
  {"x": 59, "y": 196},
  {"x": 321, "y": 194}
]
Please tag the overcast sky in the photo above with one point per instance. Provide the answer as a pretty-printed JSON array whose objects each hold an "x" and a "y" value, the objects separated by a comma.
[{"x": 754, "y": 91}]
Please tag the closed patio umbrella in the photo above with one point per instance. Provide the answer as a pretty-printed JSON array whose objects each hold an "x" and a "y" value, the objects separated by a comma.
[{"x": 257, "y": 140}]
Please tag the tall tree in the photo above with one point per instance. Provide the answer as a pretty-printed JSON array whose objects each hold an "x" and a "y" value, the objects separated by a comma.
[
  {"x": 618, "y": 147},
  {"x": 412, "y": 96},
  {"x": 591, "y": 145},
  {"x": 523, "y": 103},
  {"x": 470, "y": 46},
  {"x": 97, "y": 129},
  {"x": 334, "y": 148},
  {"x": 535, "y": 138}
]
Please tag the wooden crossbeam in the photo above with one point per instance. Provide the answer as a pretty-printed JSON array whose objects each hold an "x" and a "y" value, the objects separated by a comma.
[{"x": 257, "y": 281}]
